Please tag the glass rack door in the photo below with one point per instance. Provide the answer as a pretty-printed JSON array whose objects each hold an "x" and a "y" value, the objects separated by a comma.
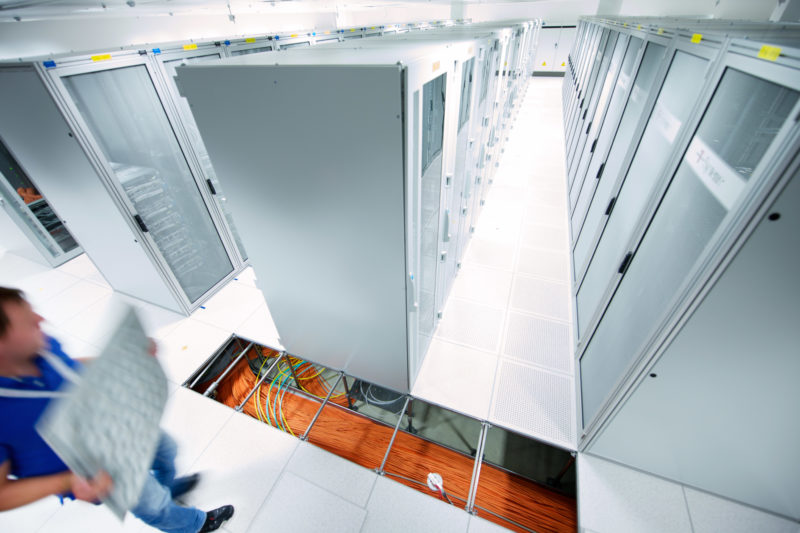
[
  {"x": 197, "y": 141},
  {"x": 30, "y": 209},
  {"x": 672, "y": 109},
  {"x": 125, "y": 116},
  {"x": 744, "y": 116},
  {"x": 433, "y": 107}
]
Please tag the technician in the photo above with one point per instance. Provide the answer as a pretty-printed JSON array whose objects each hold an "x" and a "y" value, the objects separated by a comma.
[{"x": 32, "y": 367}]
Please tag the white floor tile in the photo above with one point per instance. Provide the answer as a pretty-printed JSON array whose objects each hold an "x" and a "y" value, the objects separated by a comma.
[
  {"x": 13, "y": 269},
  {"x": 492, "y": 254},
  {"x": 479, "y": 525},
  {"x": 471, "y": 324},
  {"x": 239, "y": 468},
  {"x": 335, "y": 474},
  {"x": 395, "y": 508},
  {"x": 81, "y": 517},
  {"x": 483, "y": 285},
  {"x": 72, "y": 301},
  {"x": 615, "y": 499},
  {"x": 546, "y": 264},
  {"x": 534, "y": 402},
  {"x": 44, "y": 286},
  {"x": 186, "y": 347},
  {"x": 301, "y": 507},
  {"x": 80, "y": 266},
  {"x": 458, "y": 378},
  {"x": 541, "y": 297},
  {"x": 711, "y": 514},
  {"x": 29, "y": 518},
  {"x": 260, "y": 327},
  {"x": 157, "y": 321},
  {"x": 230, "y": 307},
  {"x": 193, "y": 421}
]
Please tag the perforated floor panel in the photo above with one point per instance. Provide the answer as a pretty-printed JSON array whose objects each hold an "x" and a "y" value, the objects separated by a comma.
[
  {"x": 534, "y": 402},
  {"x": 540, "y": 297},
  {"x": 471, "y": 324},
  {"x": 539, "y": 341},
  {"x": 543, "y": 264}
]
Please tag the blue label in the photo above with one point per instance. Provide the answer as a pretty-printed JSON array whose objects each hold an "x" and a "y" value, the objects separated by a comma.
[
  {"x": 156, "y": 50},
  {"x": 227, "y": 43},
  {"x": 49, "y": 64}
]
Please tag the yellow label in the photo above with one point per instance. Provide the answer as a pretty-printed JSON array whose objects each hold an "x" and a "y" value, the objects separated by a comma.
[
  {"x": 697, "y": 37},
  {"x": 505, "y": 64},
  {"x": 436, "y": 66},
  {"x": 190, "y": 47},
  {"x": 101, "y": 57},
  {"x": 293, "y": 35},
  {"x": 563, "y": 64},
  {"x": 625, "y": 25},
  {"x": 770, "y": 53},
  {"x": 352, "y": 30},
  {"x": 250, "y": 40},
  {"x": 372, "y": 28},
  {"x": 639, "y": 27},
  {"x": 544, "y": 63},
  {"x": 661, "y": 31}
]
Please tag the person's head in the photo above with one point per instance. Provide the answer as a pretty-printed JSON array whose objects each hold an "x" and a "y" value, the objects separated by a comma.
[{"x": 21, "y": 338}]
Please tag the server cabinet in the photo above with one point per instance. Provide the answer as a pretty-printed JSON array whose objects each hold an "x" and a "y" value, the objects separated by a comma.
[
  {"x": 32, "y": 213},
  {"x": 724, "y": 392},
  {"x": 673, "y": 108},
  {"x": 677, "y": 218},
  {"x": 119, "y": 111},
  {"x": 465, "y": 133},
  {"x": 168, "y": 61},
  {"x": 344, "y": 231},
  {"x": 598, "y": 95}
]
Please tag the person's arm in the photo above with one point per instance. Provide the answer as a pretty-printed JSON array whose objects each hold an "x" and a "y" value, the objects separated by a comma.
[{"x": 18, "y": 492}]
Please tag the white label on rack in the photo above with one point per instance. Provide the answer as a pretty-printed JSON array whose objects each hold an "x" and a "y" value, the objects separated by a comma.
[
  {"x": 666, "y": 123},
  {"x": 721, "y": 180}
]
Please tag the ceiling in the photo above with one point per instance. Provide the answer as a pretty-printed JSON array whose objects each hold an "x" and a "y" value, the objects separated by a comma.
[{"x": 44, "y": 9}]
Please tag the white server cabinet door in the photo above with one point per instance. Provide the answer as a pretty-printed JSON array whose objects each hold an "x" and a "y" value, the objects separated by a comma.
[
  {"x": 678, "y": 95},
  {"x": 717, "y": 170},
  {"x": 34, "y": 128},
  {"x": 321, "y": 211},
  {"x": 720, "y": 412}
]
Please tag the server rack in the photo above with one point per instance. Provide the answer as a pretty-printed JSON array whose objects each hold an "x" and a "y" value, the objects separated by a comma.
[
  {"x": 137, "y": 163},
  {"x": 705, "y": 142},
  {"x": 350, "y": 227},
  {"x": 33, "y": 214},
  {"x": 474, "y": 80}
]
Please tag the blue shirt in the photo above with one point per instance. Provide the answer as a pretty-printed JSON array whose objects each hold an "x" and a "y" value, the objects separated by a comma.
[{"x": 19, "y": 442}]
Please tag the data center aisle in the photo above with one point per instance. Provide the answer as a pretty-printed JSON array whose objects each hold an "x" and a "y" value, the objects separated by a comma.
[{"x": 503, "y": 350}]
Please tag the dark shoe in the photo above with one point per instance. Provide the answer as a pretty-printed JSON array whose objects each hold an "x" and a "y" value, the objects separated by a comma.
[
  {"x": 215, "y": 518},
  {"x": 184, "y": 484}
]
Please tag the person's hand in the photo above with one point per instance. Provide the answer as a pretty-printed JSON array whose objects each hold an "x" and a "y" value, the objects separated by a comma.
[{"x": 91, "y": 490}]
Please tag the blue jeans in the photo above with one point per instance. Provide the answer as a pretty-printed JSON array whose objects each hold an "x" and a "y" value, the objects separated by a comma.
[{"x": 155, "y": 506}]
